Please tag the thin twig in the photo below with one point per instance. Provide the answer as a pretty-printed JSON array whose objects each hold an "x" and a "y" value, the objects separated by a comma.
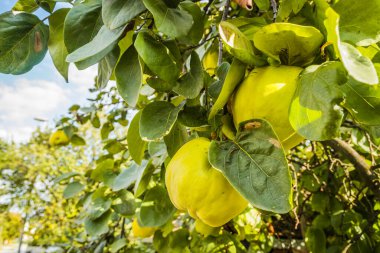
[
  {"x": 358, "y": 161},
  {"x": 224, "y": 17},
  {"x": 273, "y": 3}
]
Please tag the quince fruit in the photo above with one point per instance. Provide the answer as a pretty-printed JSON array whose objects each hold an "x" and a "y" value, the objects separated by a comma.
[
  {"x": 59, "y": 137},
  {"x": 267, "y": 93},
  {"x": 198, "y": 188},
  {"x": 142, "y": 232}
]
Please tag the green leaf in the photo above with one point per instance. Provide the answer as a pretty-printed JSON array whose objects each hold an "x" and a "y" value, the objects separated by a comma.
[
  {"x": 106, "y": 68},
  {"x": 196, "y": 32},
  {"x": 114, "y": 147},
  {"x": 136, "y": 145},
  {"x": 82, "y": 23},
  {"x": 289, "y": 6},
  {"x": 190, "y": 84},
  {"x": 156, "y": 56},
  {"x": 262, "y": 4},
  {"x": 72, "y": 189},
  {"x": 126, "y": 178},
  {"x": 234, "y": 76},
  {"x": 99, "y": 226},
  {"x": 170, "y": 21},
  {"x": 248, "y": 26},
  {"x": 359, "y": 21},
  {"x": 76, "y": 140},
  {"x": 238, "y": 45},
  {"x": 105, "y": 130},
  {"x": 117, "y": 13},
  {"x": 288, "y": 43},
  {"x": 103, "y": 169},
  {"x": 65, "y": 176},
  {"x": 159, "y": 84},
  {"x": 125, "y": 205},
  {"x": 129, "y": 75},
  {"x": 175, "y": 242},
  {"x": 157, "y": 119},
  {"x": 25, "y": 5},
  {"x": 118, "y": 244},
  {"x": 156, "y": 208},
  {"x": 319, "y": 202},
  {"x": 143, "y": 177},
  {"x": 255, "y": 165},
  {"x": 56, "y": 44},
  {"x": 314, "y": 112},
  {"x": 363, "y": 102},
  {"x": 23, "y": 42},
  {"x": 358, "y": 66},
  {"x": 315, "y": 240},
  {"x": 98, "y": 207},
  {"x": 193, "y": 116},
  {"x": 97, "y": 48},
  {"x": 176, "y": 138}
]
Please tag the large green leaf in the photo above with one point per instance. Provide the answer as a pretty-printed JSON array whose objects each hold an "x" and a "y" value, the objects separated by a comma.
[
  {"x": 136, "y": 145},
  {"x": 314, "y": 113},
  {"x": 97, "y": 48},
  {"x": 248, "y": 26},
  {"x": 25, "y": 5},
  {"x": 288, "y": 43},
  {"x": 363, "y": 102},
  {"x": 117, "y": 245},
  {"x": 106, "y": 68},
  {"x": 98, "y": 206},
  {"x": 99, "y": 226},
  {"x": 255, "y": 165},
  {"x": 237, "y": 44},
  {"x": 23, "y": 42},
  {"x": 156, "y": 56},
  {"x": 262, "y": 4},
  {"x": 234, "y": 76},
  {"x": 170, "y": 21},
  {"x": 175, "y": 139},
  {"x": 358, "y": 66},
  {"x": 82, "y": 23},
  {"x": 156, "y": 208},
  {"x": 359, "y": 21},
  {"x": 126, "y": 178},
  {"x": 129, "y": 76},
  {"x": 190, "y": 84},
  {"x": 117, "y": 13},
  {"x": 56, "y": 44},
  {"x": 157, "y": 119},
  {"x": 196, "y": 31},
  {"x": 143, "y": 176},
  {"x": 289, "y": 6},
  {"x": 315, "y": 239},
  {"x": 72, "y": 189}
]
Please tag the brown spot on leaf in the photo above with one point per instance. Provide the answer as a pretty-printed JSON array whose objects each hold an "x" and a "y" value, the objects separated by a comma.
[
  {"x": 37, "y": 42},
  {"x": 252, "y": 125},
  {"x": 275, "y": 142}
]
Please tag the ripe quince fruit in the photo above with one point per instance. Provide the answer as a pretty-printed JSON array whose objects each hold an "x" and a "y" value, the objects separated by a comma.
[
  {"x": 198, "y": 188},
  {"x": 267, "y": 93},
  {"x": 142, "y": 232},
  {"x": 59, "y": 137}
]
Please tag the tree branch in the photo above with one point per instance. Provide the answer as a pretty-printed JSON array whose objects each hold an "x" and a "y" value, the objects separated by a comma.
[
  {"x": 358, "y": 161},
  {"x": 274, "y": 8}
]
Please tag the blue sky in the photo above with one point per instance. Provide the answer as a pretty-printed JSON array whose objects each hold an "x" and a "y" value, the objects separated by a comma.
[{"x": 40, "y": 93}]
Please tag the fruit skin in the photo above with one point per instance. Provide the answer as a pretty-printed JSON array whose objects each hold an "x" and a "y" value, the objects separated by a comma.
[
  {"x": 267, "y": 93},
  {"x": 198, "y": 188},
  {"x": 142, "y": 232},
  {"x": 59, "y": 137}
]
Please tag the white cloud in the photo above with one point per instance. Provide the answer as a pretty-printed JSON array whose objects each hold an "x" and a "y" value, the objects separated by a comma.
[{"x": 23, "y": 100}]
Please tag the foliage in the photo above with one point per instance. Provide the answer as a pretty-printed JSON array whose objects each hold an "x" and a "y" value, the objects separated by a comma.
[{"x": 176, "y": 65}]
